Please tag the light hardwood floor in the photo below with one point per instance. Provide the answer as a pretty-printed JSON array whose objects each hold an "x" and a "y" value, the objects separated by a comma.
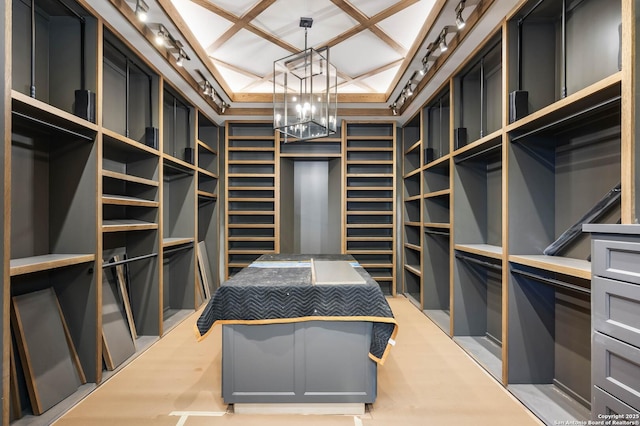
[{"x": 426, "y": 380}]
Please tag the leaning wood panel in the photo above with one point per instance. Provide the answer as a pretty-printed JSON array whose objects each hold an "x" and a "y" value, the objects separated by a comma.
[
  {"x": 50, "y": 363},
  {"x": 118, "y": 343}
]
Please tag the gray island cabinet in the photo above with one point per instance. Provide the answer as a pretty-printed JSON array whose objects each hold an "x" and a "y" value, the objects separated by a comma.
[{"x": 301, "y": 334}]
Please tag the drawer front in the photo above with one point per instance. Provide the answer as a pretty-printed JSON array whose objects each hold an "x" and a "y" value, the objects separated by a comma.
[
  {"x": 616, "y": 309},
  {"x": 616, "y": 368},
  {"x": 619, "y": 260},
  {"x": 605, "y": 405}
]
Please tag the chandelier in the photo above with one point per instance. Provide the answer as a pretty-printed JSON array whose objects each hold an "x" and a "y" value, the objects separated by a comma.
[{"x": 305, "y": 93}]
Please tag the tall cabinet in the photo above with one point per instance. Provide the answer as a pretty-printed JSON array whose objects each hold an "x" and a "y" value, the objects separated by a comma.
[
  {"x": 111, "y": 178},
  {"x": 534, "y": 146}
]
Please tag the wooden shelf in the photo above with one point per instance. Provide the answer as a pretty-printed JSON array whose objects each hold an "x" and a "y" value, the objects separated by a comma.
[
  {"x": 370, "y": 162},
  {"x": 486, "y": 250},
  {"x": 410, "y": 223},
  {"x": 129, "y": 178},
  {"x": 370, "y": 225},
  {"x": 440, "y": 162},
  {"x": 413, "y": 246},
  {"x": 124, "y": 225},
  {"x": 177, "y": 163},
  {"x": 208, "y": 195},
  {"x": 412, "y": 173},
  {"x": 437, "y": 225},
  {"x": 27, "y": 265},
  {"x": 370, "y": 238},
  {"x": 207, "y": 147},
  {"x": 563, "y": 265},
  {"x": 251, "y": 238},
  {"x": 35, "y": 108},
  {"x": 251, "y": 225},
  {"x": 442, "y": 193},
  {"x": 207, "y": 173},
  {"x": 367, "y": 175},
  {"x": 176, "y": 241},
  {"x": 415, "y": 146},
  {"x": 129, "y": 142},
  {"x": 414, "y": 269},
  {"x": 372, "y": 149},
  {"x": 369, "y": 138},
  {"x": 123, "y": 200}
]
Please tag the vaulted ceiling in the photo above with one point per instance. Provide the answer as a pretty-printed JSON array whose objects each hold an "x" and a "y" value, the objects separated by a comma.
[{"x": 377, "y": 46}]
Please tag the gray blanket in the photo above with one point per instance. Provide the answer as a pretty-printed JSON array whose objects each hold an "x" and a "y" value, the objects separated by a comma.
[{"x": 278, "y": 288}]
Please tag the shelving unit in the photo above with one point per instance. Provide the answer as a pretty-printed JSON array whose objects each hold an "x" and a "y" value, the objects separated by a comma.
[
  {"x": 178, "y": 236},
  {"x": 251, "y": 175},
  {"x": 412, "y": 143},
  {"x": 543, "y": 144},
  {"x": 208, "y": 138},
  {"x": 53, "y": 157},
  {"x": 436, "y": 208},
  {"x": 311, "y": 197},
  {"x": 369, "y": 207}
]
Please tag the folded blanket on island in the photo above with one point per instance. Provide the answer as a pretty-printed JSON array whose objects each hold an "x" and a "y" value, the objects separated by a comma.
[{"x": 279, "y": 289}]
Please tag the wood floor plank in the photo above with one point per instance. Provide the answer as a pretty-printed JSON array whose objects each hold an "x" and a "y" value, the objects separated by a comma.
[{"x": 427, "y": 380}]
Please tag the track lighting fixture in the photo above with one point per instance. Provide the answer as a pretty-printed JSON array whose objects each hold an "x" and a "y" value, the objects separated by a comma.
[
  {"x": 394, "y": 108},
  {"x": 180, "y": 59},
  {"x": 161, "y": 36},
  {"x": 142, "y": 10},
  {"x": 460, "y": 23},
  {"x": 223, "y": 107},
  {"x": 442, "y": 39}
]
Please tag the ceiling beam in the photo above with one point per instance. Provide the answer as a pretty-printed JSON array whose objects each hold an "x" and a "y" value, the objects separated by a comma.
[
  {"x": 369, "y": 24},
  {"x": 241, "y": 23}
]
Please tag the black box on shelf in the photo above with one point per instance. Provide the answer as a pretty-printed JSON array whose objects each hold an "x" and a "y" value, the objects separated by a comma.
[
  {"x": 429, "y": 155},
  {"x": 518, "y": 105},
  {"x": 460, "y": 137},
  {"x": 151, "y": 137},
  {"x": 189, "y": 155},
  {"x": 85, "y": 105}
]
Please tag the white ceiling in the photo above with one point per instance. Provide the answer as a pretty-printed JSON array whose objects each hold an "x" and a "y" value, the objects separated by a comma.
[
  {"x": 244, "y": 38},
  {"x": 376, "y": 45}
]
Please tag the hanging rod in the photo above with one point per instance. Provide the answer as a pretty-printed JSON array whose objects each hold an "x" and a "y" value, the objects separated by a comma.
[
  {"x": 180, "y": 248},
  {"x": 53, "y": 126},
  {"x": 551, "y": 281},
  {"x": 428, "y": 231},
  {"x": 479, "y": 262},
  {"x": 461, "y": 158},
  {"x": 569, "y": 117},
  {"x": 125, "y": 261}
]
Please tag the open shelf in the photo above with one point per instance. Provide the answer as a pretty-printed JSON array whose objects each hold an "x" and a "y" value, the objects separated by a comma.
[
  {"x": 130, "y": 104},
  {"x": 478, "y": 95},
  {"x": 477, "y": 304},
  {"x": 562, "y": 171},
  {"x": 436, "y": 124},
  {"x": 64, "y": 62},
  {"x": 369, "y": 176},
  {"x": 178, "y": 139},
  {"x": 28, "y": 265},
  {"x": 251, "y": 182},
  {"x": 551, "y": 64},
  {"x": 549, "y": 347},
  {"x": 436, "y": 279}
]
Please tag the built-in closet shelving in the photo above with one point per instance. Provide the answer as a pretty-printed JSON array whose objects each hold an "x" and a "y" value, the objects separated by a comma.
[
  {"x": 369, "y": 167},
  {"x": 179, "y": 208},
  {"x": 412, "y": 209},
  {"x": 533, "y": 142},
  {"x": 251, "y": 193},
  {"x": 436, "y": 217},
  {"x": 113, "y": 181},
  {"x": 208, "y": 142}
]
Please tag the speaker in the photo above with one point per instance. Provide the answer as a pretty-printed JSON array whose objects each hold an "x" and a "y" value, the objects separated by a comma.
[
  {"x": 429, "y": 155},
  {"x": 189, "y": 155},
  {"x": 460, "y": 137},
  {"x": 85, "y": 105},
  {"x": 518, "y": 105},
  {"x": 151, "y": 137}
]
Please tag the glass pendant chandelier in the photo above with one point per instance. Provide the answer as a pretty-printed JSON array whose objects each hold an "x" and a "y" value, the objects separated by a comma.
[{"x": 305, "y": 93}]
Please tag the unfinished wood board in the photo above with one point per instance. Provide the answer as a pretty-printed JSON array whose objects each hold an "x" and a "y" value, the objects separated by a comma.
[
  {"x": 50, "y": 362},
  {"x": 14, "y": 393},
  {"x": 124, "y": 294},
  {"x": 117, "y": 342},
  {"x": 204, "y": 268},
  {"x": 335, "y": 272}
]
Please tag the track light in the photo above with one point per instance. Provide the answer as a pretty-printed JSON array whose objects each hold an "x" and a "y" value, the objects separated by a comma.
[
  {"x": 161, "y": 36},
  {"x": 442, "y": 38},
  {"x": 223, "y": 107},
  {"x": 179, "y": 61},
  {"x": 394, "y": 108},
  {"x": 460, "y": 23},
  {"x": 142, "y": 10}
]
